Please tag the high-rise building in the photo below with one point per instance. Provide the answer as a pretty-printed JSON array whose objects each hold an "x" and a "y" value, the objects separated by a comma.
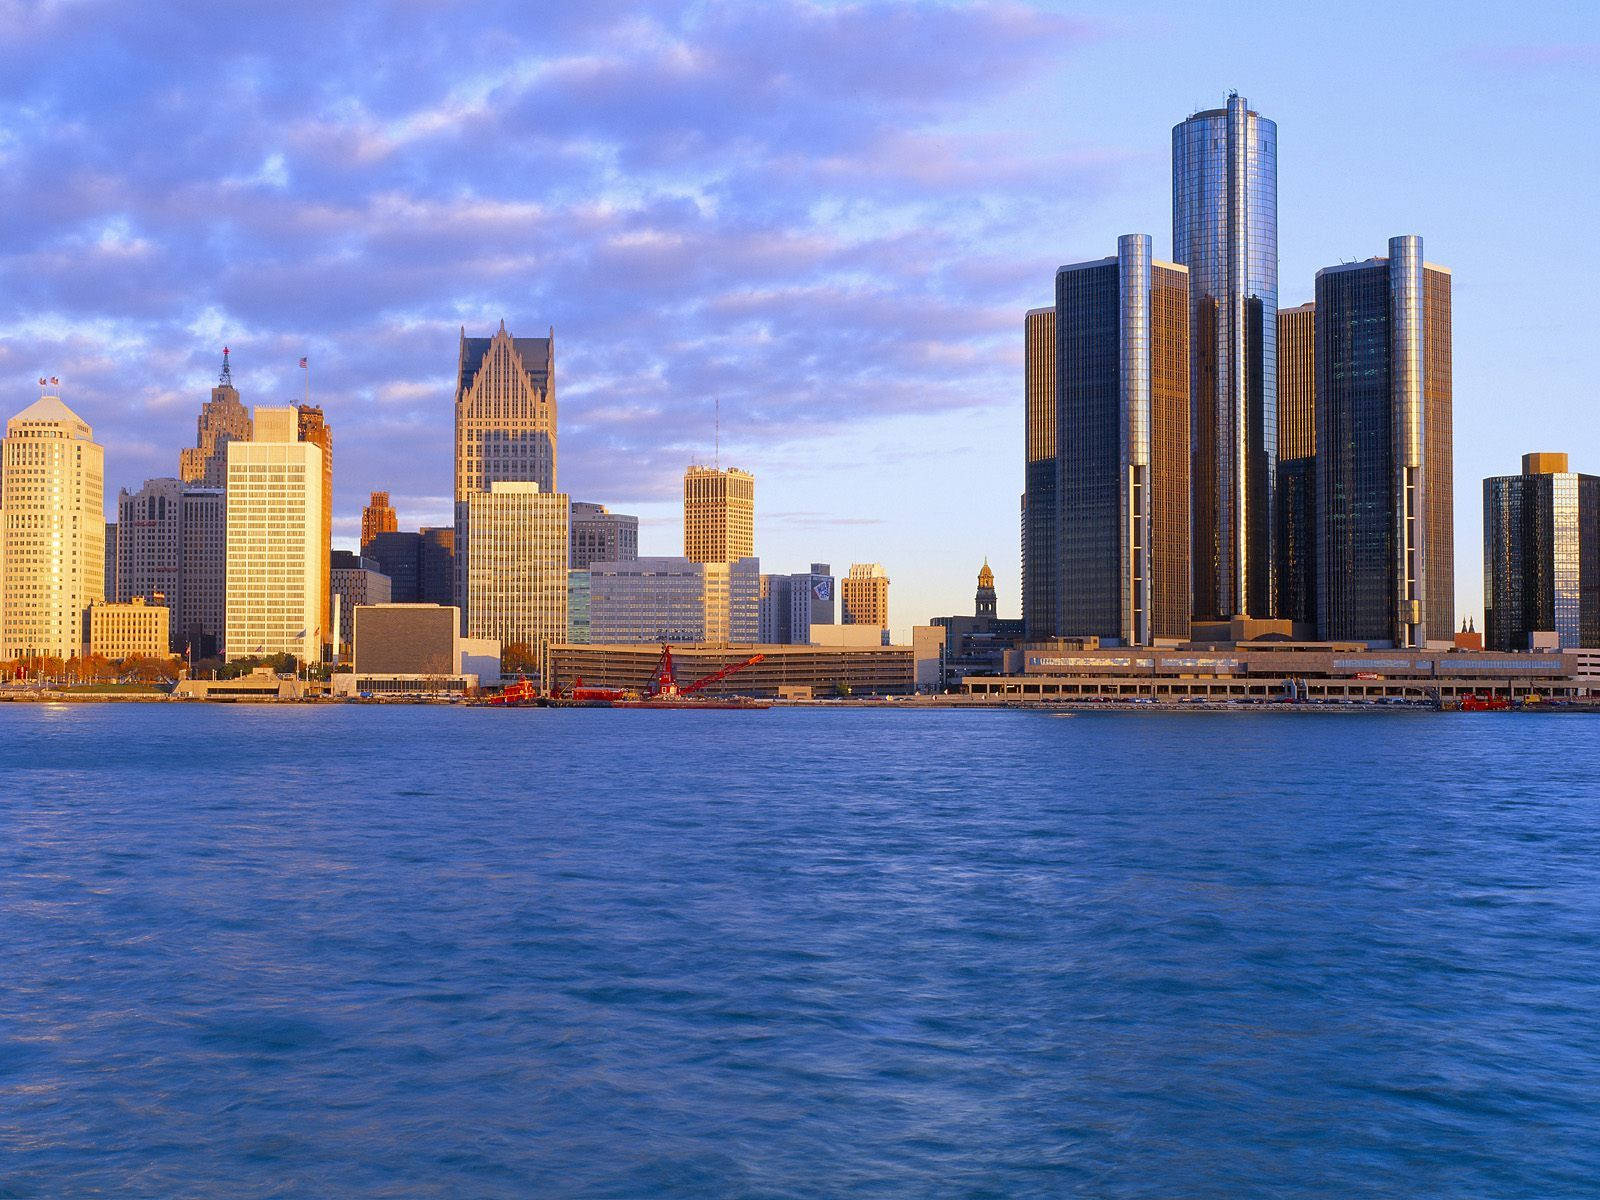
[
  {"x": 111, "y": 559},
  {"x": 505, "y": 412},
  {"x": 1122, "y": 402},
  {"x": 675, "y": 600},
  {"x": 377, "y": 517},
  {"x": 315, "y": 430},
  {"x": 578, "y": 606},
  {"x": 1385, "y": 527},
  {"x": 1541, "y": 556},
  {"x": 200, "y": 615},
  {"x": 150, "y": 542},
  {"x": 52, "y": 530},
  {"x": 514, "y": 563},
  {"x": 222, "y": 420},
  {"x": 864, "y": 596},
  {"x": 355, "y": 580},
  {"x": 420, "y": 565},
  {"x": 719, "y": 514},
  {"x": 276, "y": 554},
  {"x": 1225, "y": 230},
  {"x": 599, "y": 535},
  {"x": 436, "y": 565},
  {"x": 1040, "y": 554},
  {"x": 1295, "y": 540},
  {"x": 791, "y": 604}
]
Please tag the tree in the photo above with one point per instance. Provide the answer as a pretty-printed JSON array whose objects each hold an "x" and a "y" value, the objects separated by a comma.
[{"x": 518, "y": 659}]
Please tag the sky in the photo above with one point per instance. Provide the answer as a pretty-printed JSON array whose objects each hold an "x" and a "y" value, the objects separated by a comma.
[{"x": 825, "y": 220}]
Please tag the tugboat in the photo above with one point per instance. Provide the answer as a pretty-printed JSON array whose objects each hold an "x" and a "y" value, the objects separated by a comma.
[{"x": 520, "y": 694}]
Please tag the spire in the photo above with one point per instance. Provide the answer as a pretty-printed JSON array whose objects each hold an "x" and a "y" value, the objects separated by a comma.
[
  {"x": 226, "y": 378},
  {"x": 502, "y": 324}
]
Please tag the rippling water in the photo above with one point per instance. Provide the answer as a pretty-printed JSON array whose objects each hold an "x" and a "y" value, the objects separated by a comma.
[{"x": 424, "y": 952}]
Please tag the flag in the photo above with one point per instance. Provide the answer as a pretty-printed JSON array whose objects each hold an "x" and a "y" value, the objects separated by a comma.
[
  {"x": 43, "y": 381},
  {"x": 54, "y": 381},
  {"x": 304, "y": 363}
]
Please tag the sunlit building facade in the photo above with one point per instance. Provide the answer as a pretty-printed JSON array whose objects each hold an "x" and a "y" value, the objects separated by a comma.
[
  {"x": 126, "y": 630},
  {"x": 1040, "y": 552},
  {"x": 675, "y": 600},
  {"x": 514, "y": 563},
  {"x": 222, "y": 419},
  {"x": 505, "y": 412},
  {"x": 377, "y": 517},
  {"x": 600, "y": 535},
  {"x": 1541, "y": 556},
  {"x": 864, "y": 596},
  {"x": 719, "y": 514},
  {"x": 1295, "y": 540}
]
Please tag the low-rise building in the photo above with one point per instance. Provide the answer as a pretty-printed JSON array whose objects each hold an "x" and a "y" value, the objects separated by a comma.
[
  {"x": 784, "y": 670},
  {"x": 118, "y": 631},
  {"x": 355, "y": 581},
  {"x": 415, "y": 650}
]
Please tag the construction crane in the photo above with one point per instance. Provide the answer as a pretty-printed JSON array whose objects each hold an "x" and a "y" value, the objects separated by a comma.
[{"x": 664, "y": 684}]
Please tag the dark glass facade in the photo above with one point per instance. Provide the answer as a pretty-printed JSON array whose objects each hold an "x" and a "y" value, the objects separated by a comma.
[
  {"x": 1541, "y": 559},
  {"x": 1384, "y": 555},
  {"x": 1295, "y": 540},
  {"x": 1039, "y": 550}
]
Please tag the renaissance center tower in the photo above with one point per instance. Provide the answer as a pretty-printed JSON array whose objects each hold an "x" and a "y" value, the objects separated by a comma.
[{"x": 1225, "y": 230}]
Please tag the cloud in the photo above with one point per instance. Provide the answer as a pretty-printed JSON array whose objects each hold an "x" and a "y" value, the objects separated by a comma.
[{"x": 795, "y": 209}]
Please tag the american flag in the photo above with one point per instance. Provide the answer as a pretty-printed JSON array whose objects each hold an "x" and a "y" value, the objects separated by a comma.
[{"x": 304, "y": 363}]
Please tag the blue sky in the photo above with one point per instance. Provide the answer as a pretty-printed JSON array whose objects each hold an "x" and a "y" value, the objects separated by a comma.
[{"x": 828, "y": 217}]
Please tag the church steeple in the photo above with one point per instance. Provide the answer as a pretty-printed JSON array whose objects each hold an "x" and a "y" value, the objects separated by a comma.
[{"x": 986, "y": 599}]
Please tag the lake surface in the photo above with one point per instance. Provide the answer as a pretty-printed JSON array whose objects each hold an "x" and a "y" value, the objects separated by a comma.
[{"x": 431, "y": 952}]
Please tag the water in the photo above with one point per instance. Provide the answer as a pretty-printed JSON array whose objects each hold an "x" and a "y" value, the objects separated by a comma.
[{"x": 424, "y": 952}]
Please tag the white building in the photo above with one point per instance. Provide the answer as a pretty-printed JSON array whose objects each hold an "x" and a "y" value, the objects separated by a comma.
[
  {"x": 52, "y": 530},
  {"x": 675, "y": 600},
  {"x": 513, "y": 563},
  {"x": 274, "y": 531}
]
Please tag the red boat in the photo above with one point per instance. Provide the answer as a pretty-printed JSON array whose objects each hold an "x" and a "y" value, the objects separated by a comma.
[
  {"x": 663, "y": 690},
  {"x": 1484, "y": 702},
  {"x": 520, "y": 694}
]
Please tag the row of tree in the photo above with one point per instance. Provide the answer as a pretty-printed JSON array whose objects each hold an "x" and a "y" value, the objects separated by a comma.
[{"x": 93, "y": 668}]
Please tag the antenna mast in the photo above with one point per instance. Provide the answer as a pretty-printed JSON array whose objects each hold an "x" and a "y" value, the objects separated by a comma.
[
  {"x": 226, "y": 378},
  {"x": 716, "y": 445}
]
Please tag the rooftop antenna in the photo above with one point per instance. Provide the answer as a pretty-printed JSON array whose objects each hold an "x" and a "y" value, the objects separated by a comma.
[
  {"x": 716, "y": 444},
  {"x": 226, "y": 378}
]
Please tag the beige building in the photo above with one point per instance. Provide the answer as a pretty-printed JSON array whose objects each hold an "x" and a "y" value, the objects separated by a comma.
[
  {"x": 52, "y": 530},
  {"x": 719, "y": 515},
  {"x": 222, "y": 420},
  {"x": 864, "y": 596},
  {"x": 513, "y": 562},
  {"x": 505, "y": 413},
  {"x": 276, "y": 553},
  {"x": 118, "y": 631},
  {"x": 377, "y": 517}
]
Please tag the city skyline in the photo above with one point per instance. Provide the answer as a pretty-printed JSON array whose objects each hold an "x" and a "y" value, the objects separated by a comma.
[{"x": 677, "y": 298}]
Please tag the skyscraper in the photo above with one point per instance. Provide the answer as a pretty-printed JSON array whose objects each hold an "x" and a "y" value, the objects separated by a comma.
[
  {"x": 864, "y": 596},
  {"x": 314, "y": 429},
  {"x": 377, "y": 517},
  {"x": 792, "y": 604},
  {"x": 1541, "y": 555},
  {"x": 1039, "y": 549},
  {"x": 1225, "y": 230},
  {"x": 276, "y": 556},
  {"x": 222, "y": 420},
  {"x": 719, "y": 514},
  {"x": 599, "y": 535},
  {"x": 675, "y": 600},
  {"x": 505, "y": 412},
  {"x": 1122, "y": 402},
  {"x": 150, "y": 542},
  {"x": 514, "y": 563},
  {"x": 1385, "y": 526},
  {"x": 52, "y": 530},
  {"x": 201, "y": 613},
  {"x": 1295, "y": 541}
]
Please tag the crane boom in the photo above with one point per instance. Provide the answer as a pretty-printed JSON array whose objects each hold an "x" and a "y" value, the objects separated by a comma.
[{"x": 715, "y": 676}]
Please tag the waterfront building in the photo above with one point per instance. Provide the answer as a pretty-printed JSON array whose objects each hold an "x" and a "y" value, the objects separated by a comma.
[
  {"x": 222, "y": 419},
  {"x": 355, "y": 581},
  {"x": 980, "y": 644},
  {"x": 578, "y": 583},
  {"x": 505, "y": 411},
  {"x": 149, "y": 552},
  {"x": 719, "y": 514},
  {"x": 1225, "y": 231},
  {"x": 599, "y": 535},
  {"x": 315, "y": 430},
  {"x": 675, "y": 600},
  {"x": 1295, "y": 539},
  {"x": 1385, "y": 526},
  {"x": 864, "y": 596},
  {"x": 1122, "y": 402},
  {"x": 1541, "y": 556},
  {"x": 52, "y": 530},
  {"x": 377, "y": 517},
  {"x": 791, "y": 604},
  {"x": 1040, "y": 551},
  {"x": 417, "y": 651},
  {"x": 786, "y": 671},
  {"x": 276, "y": 557},
  {"x": 513, "y": 560},
  {"x": 200, "y": 612},
  {"x": 118, "y": 630}
]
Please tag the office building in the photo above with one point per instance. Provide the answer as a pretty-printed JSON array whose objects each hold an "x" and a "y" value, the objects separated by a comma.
[
  {"x": 1295, "y": 539},
  {"x": 314, "y": 430},
  {"x": 420, "y": 565},
  {"x": 1122, "y": 404},
  {"x": 505, "y": 413},
  {"x": 578, "y": 607},
  {"x": 719, "y": 514},
  {"x": 200, "y": 611},
  {"x": 276, "y": 555},
  {"x": 599, "y": 535},
  {"x": 377, "y": 517},
  {"x": 110, "y": 582},
  {"x": 415, "y": 651},
  {"x": 864, "y": 596},
  {"x": 1385, "y": 553},
  {"x": 791, "y": 604},
  {"x": 675, "y": 600},
  {"x": 1225, "y": 231},
  {"x": 355, "y": 581},
  {"x": 149, "y": 553},
  {"x": 52, "y": 530},
  {"x": 222, "y": 420},
  {"x": 1040, "y": 554},
  {"x": 126, "y": 630},
  {"x": 513, "y": 561},
  {"x": 1541, "y": 556},
  {"x": 436, "y": 565},
  {"x": 790, "y": 672}
]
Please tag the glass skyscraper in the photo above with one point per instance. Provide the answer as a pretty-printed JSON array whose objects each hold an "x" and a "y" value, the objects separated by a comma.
[
  {"x": 1541, "y": 555},
  {"x": 1122, "y": 436},
  {"x": 1039, "y": 554},
  {"x": 1225, "y": 230},
  {"x": 1385, "y": 525},
  {"x": 1295, "y": 539}
]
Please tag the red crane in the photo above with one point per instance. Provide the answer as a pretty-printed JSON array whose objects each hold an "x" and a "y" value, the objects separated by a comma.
[{"x": 663, "y": 683}]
